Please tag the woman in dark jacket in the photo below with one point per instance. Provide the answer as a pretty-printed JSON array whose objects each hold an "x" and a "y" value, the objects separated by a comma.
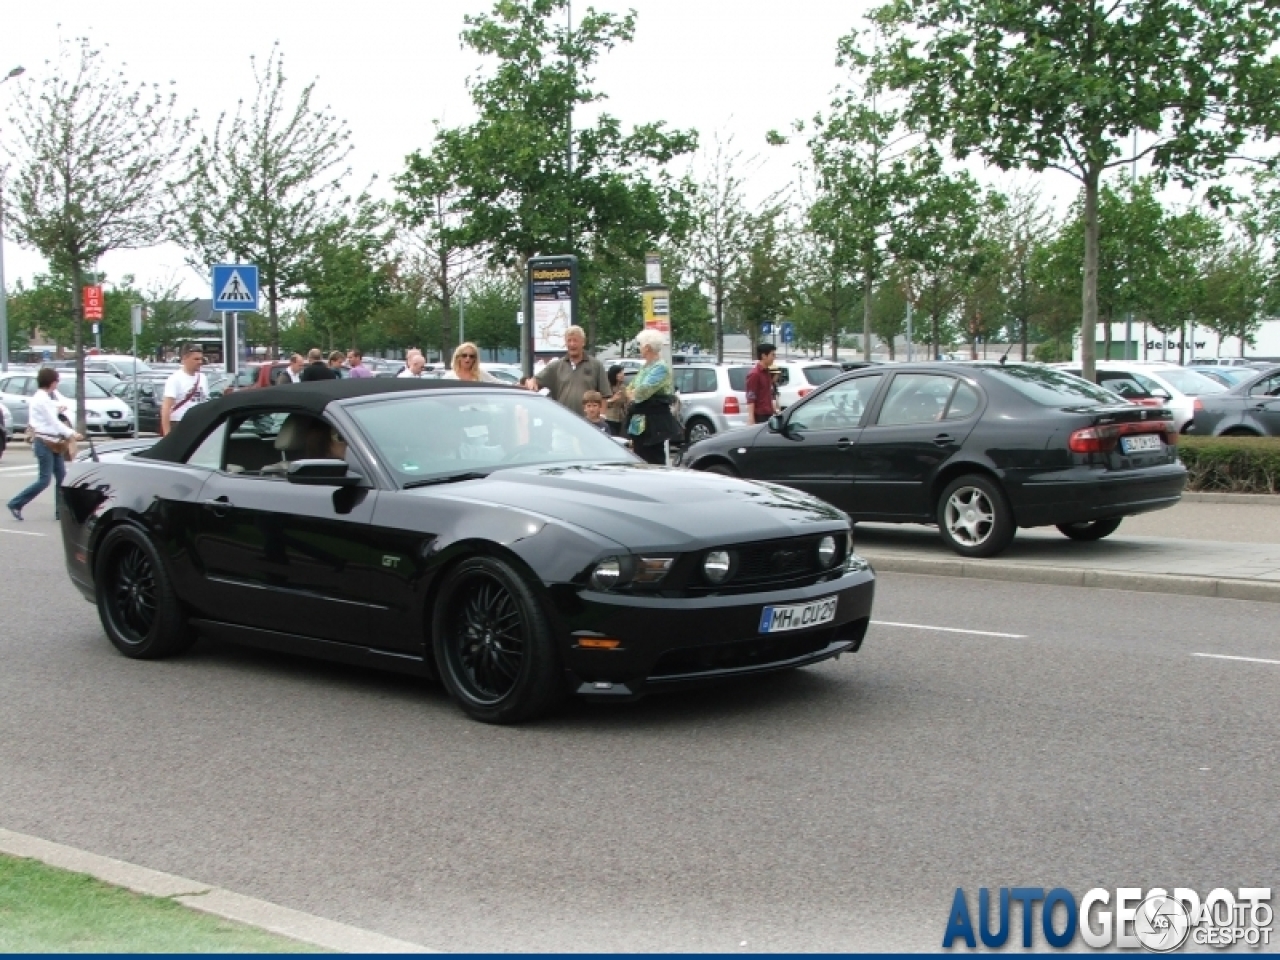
[{"x": 652, "y": 424}]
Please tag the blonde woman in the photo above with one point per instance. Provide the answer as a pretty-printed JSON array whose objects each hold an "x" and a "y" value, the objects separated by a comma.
[{"x": 466, "y": 365}]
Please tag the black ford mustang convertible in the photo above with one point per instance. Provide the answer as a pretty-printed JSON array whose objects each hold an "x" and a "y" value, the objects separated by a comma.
[{"x": 481, "y": 534}]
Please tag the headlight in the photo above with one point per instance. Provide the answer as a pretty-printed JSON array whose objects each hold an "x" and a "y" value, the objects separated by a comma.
[
  {"x": 608, "y": 573},
  {"x": 827, "y": 551},
  {"x": 92, "y": 415},
  {"x": 718, "y": 566}
]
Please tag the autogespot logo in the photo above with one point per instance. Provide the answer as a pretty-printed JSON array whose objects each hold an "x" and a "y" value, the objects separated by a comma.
[{"x": 1155, "y": 919}]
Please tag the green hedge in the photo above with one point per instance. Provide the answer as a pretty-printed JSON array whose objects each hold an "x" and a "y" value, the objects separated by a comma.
[{"x": 1231, "y": 464}]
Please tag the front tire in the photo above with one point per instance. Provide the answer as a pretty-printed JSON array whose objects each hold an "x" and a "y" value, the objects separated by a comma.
[
  {"x": 1091, "y": 530},
  {"x": 493, "y": 645},
  {"x": 974, "y": 518},
  {"x": 723, "y": 469},
  {"x": 136, "y": 603}
]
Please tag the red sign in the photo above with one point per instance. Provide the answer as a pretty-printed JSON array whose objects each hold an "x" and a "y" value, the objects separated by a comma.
[{"x": 93, "y": 303}]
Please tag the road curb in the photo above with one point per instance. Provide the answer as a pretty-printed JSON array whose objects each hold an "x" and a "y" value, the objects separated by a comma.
[
  {"x": 1251, "y": 499},
  {"x": 294, "y": 924},
  {"x": 1220, "y": 587}
]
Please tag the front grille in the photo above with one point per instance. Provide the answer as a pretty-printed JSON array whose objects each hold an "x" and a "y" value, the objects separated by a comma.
[
  {"x": 759, "y": 651},
  {"x": 777, "y": 560}
]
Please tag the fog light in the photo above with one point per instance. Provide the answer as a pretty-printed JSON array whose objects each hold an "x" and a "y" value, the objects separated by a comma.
[
  {"x": 717, "y": 566},
  {"x": 827, "y": 551},
  {"x": 607, "y": 574}
]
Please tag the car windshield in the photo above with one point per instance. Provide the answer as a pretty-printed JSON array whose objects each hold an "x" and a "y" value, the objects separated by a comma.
[
  {"x": 421, "y": 438},
  {"x": 1052, "y": 388},
  {"x": 127, "y": 366},
  {"x": 1189, "y": 382},
  {"x": 819, "y": 375},
  {"x": 67, "y": 387},
  {"x": 1235, "y": 375}
]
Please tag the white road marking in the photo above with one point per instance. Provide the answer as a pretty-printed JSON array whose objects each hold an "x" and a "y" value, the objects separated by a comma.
[
  {"x": 22, "y": 533},
  {"x": 1223, "y": 656},
  {"x": 925, "y": 626},
  {"x": 16, "y": 469}
]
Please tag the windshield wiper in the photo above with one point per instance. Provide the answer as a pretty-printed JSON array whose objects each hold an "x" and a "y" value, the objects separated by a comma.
[{"x": 447, "y": 478}]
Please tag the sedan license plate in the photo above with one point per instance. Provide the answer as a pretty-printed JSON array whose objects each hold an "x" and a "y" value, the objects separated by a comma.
[
  {"x": 1142, "y": 443},
  {"x": 798, "y": 616}
]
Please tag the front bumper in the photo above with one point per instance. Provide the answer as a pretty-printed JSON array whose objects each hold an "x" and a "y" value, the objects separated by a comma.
[
  {"x": 674, "y": 642},
  {"x": 110, "y": 428}
]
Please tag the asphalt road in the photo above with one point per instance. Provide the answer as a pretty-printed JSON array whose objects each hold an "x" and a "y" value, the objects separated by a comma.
[{"x": 1071, "y": 739}]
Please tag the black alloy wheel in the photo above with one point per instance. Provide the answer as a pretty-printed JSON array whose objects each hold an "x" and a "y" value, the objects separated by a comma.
[
  {"x": 493, "y": 645},
  {"x": 974, "y": 518},
  {"x": 699, "y": 428},
  {"x": 136, "y": 603},
  {"x": 1092, "y": 529}
]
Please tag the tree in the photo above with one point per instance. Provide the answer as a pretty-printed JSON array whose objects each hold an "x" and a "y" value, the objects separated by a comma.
[
  {"x": 528, "y": 181},
  {"x": 1065, "y": 84},
  {"x": 1019, "y": 230},
  {"x": 763, "y": 288},
  {"x": 889, "y": 311},
  {"x": 1236, "y": 285},
  {"x": 266, "y": 187},
  {"x": 1189, "y": 242},
  {"x": 93, "y": 151},
  {"x": 719, "y": 236},
  {"x": 350, "y": 278},
  {"x": 491, "y": 299},
  {"x": 867, "y": 167}
]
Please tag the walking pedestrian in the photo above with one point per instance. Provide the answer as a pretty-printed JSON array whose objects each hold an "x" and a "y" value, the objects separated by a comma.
[
  {"x": 336, "y": 361},
  {"x": 760, "y": 389},
  {"x": 652, "y": 425},
  {"x": 415, "y": 365},
  {"x": 615, "y": 402},
  {"x": 51, "y": 436},
  {"x": 291, "y": 373},
  {"x": 568, "y": 378},
  {"x": 184, "y": 389}
]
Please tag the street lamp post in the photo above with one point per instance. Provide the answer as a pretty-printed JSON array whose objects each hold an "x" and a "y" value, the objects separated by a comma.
[{"x": 4, "y": 294}]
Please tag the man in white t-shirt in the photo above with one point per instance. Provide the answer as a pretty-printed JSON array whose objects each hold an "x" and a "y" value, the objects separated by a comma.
[
  {"x": 183, "y": 390},
  {"x": 415, "y": 364}
]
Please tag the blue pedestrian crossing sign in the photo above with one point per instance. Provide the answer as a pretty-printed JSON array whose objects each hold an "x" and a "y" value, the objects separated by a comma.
[
  {"x": 788, "y": 330},
  {"x": 235, "y": 287}
]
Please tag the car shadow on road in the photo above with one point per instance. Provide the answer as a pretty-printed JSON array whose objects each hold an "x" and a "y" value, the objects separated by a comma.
[
  {"x": 822, "y": 688},
  {"x": 1035, "y": 544}
]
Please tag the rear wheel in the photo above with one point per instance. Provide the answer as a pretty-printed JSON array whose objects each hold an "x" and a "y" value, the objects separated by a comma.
[
  {"x": 1092, "y": 529},
  {"x": 1238, "y": 432},
  {"x": 136, "y": 603},
  {"x": 493, "y": 645},
  {"x": 699, "y": 428},
  {"x": 974, "y": 518}
]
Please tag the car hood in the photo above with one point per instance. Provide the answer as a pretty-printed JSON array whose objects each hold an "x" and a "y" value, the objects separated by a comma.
[{"x": 647, "y": 507}]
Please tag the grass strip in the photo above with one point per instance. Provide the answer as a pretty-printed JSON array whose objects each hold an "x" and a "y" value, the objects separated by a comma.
[{"x": 47, "y": 910}]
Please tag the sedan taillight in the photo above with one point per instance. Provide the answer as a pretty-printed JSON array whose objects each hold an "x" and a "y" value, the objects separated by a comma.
[{"x": 1103, "y": 439}]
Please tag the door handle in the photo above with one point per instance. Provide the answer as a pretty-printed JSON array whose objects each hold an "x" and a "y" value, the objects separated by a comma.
[
  {"x": 218, "y": 507},
  {"x": 844, "y": 443},
  {"x": 943, "y": 439}
]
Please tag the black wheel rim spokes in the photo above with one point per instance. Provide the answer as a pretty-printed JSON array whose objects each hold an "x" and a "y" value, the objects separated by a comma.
[
  {"x": 488, "y": 639},
  {"x": 133, "y": 594}
]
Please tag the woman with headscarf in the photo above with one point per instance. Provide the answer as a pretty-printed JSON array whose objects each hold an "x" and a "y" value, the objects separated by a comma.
[
  {"x": 466, "y": 365},
  {"x": 652, "y": 424}
]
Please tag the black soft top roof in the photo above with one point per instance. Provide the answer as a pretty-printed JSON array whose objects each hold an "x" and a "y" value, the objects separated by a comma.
[{"x": 312, "y": 398}]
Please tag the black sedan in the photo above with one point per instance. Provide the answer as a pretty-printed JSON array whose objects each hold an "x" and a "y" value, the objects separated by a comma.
[
  {"x": 980, "y": 449},
  {"x": 1249, "y": 409},
  {"x": 482, "y": 534}
]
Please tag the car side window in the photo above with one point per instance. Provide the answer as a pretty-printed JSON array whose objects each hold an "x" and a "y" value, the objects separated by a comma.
[
  {"x": 28, "y": 387},
  {"x": 208, "y": 455},
  {"x": 916, "y": 398},
  {"x": 1269, "y": 387},
  {"x": 706, "y": 381},
  {"x": 1123, "y": 384},
  {"x": 839, "y": 406},
  {"x": 964, "y": 402},
  {"x": 784, "y": 376}
]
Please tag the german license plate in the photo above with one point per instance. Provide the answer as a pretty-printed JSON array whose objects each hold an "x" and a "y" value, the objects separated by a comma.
[
  {"x": 1142, "y": 443},
  {"x": 798, "y": 616}
]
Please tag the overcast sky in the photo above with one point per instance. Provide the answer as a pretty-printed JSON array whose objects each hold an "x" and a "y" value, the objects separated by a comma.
[{"x": 392, "y": 67}]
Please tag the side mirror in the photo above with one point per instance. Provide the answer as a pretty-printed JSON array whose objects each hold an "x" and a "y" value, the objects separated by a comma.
[
  {"x": 323, "y": 473},
  {"x": 775, "y": 424}
]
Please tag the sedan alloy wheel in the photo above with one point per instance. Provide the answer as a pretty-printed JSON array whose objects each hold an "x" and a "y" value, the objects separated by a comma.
[{"x": 974, "y": 517}]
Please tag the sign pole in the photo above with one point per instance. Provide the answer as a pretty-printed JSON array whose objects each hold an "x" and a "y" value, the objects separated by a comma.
[{"x": 135, "y": 326}]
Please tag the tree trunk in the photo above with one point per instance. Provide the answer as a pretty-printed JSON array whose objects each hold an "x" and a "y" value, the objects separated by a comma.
[
  {"x": 1024, "y": 339},
  {"x": 867, "y": 279},
  {"x": 1089, "y": 316},
  {"x": 273, "y": 319},
  {"x": 719, "y": 325},
  {"x": 77, "y": 312}
]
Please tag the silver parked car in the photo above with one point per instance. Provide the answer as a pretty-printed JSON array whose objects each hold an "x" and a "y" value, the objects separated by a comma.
[
  {"x": 1250, "y": 409},
  {"x": 713, "y": 398}
]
